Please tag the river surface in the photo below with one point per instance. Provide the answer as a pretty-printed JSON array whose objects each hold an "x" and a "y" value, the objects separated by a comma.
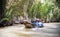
[{"x": 18, "y": 30}]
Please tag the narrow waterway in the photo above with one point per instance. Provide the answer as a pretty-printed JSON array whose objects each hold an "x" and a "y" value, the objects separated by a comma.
[{"x": 50, "y": 30}]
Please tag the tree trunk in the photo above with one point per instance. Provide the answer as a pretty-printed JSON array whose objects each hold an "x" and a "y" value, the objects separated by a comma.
[{"x": 25, "y": 9}]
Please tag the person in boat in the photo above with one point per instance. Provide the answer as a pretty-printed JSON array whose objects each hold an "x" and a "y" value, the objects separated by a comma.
[{"x": 38, "y": 23}]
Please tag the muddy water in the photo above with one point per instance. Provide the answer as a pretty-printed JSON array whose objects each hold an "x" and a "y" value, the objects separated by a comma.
[{"x": 20, "y": 31}]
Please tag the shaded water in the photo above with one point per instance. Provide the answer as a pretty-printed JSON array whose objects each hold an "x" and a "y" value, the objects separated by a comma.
[{"x": 20, "y": 31}]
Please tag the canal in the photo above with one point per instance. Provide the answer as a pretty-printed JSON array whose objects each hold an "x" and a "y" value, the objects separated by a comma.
[{"x": 50, "y": 30}]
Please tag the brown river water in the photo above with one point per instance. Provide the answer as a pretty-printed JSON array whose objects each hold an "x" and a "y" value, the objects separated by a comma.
[{"x": 50, "y": 30}]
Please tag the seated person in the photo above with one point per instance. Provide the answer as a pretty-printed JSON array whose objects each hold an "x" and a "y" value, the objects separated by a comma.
[{"x": 38, "y": 23}]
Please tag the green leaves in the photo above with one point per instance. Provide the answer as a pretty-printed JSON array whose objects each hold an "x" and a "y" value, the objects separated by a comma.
[
  {"x": 35, "y": 9},
  {"x": 39, "y": 10},
  {"x": 9, "y": 12}
]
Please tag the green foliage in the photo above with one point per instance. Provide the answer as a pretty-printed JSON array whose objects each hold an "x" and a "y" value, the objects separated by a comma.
[
  {"x": 56, "y": 14},
  {"x": 39, "y": 10},
  {"x": 47, "y": 10},
  {"x": 15, "y": 9},
  {"x": 4, "y": 19}
]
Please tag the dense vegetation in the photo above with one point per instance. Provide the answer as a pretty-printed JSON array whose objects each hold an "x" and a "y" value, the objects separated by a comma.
[{"x": 48, "y": 10}]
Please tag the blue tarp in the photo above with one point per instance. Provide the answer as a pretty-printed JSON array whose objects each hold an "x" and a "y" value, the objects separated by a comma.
[{"x": 38, "y": 24}]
